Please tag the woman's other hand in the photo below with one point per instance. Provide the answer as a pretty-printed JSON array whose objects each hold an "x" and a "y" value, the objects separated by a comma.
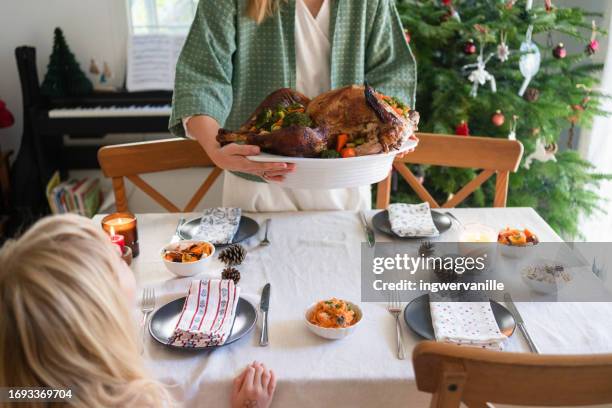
[
  {"x": 254, "y": 387},
  {"x": 233, "y": 156}
]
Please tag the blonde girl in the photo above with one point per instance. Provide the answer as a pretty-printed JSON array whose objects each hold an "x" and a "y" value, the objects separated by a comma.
[{"x": 65, "y": 297}]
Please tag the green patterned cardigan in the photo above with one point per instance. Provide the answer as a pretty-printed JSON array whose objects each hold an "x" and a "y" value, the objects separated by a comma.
[{"x": 229, "y": 64}]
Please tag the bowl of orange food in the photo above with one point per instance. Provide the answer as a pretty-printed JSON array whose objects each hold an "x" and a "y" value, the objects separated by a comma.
[
  {"x": 333, "y": 319},
  {"x": 187, "y": 258},
  {"x": 515, "y": 242}
]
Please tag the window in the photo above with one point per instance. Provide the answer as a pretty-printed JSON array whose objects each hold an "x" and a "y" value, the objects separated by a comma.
[{"x": 161, "y": 16}]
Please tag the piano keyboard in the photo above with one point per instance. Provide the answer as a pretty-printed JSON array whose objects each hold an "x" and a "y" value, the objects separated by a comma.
[{"x": 111, "y": 111}]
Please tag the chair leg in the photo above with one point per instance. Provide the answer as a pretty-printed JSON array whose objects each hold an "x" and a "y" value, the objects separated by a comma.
[
  {"x": 501, "y": 188},
  {"x": 383, "y": 193},
  {"x": 450, "y": 387}
]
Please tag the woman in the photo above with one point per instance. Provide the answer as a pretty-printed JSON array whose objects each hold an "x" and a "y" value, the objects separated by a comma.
[
  {"x": 238, "y": 51},
  {"x": 65, "y": 297}
]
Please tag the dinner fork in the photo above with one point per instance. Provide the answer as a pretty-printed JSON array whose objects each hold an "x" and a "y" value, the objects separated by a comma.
[
  {"x": 265, "y": 241},
  {"x": 146, "y": 305},
  {"x": 395, "y": 308}
]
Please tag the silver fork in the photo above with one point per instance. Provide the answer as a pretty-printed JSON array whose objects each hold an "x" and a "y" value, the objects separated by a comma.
[
  {"x": 395, "y": 308},
  {"x": 147, "y": 305},
  {"x": 265, "y": 241}
]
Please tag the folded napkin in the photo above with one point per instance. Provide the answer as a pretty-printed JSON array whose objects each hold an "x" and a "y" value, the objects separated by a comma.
[
  {"x": 208, "y": 314},
  {"x": 219, "y": 225},
  {"x": 412, "y": 220},
  {"x": 466, "y": 324}
]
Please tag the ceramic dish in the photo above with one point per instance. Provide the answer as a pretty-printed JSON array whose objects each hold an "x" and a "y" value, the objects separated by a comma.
[{"x": 333, "y": 333}]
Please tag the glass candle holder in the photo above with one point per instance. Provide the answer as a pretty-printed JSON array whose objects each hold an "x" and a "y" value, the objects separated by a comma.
[
  {"x": 478, "y": 240},
  {"x": 125, "y": 224}
]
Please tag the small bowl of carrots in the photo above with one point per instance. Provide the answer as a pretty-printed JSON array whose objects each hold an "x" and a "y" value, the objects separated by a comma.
[
  {"x": 187, "y": 258},
  {"x": 333, "y": 318},
  {"x": 514, "y": 242}
]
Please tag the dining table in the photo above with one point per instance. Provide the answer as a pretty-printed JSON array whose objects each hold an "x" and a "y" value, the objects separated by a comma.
[{"x": 314, "y": 256}]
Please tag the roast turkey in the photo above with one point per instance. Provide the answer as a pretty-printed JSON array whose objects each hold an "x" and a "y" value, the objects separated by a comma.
[{"x": 289, "y": 124}]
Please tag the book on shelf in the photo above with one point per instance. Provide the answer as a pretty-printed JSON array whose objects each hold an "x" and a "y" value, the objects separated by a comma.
[{"x": 79, "y": 196}]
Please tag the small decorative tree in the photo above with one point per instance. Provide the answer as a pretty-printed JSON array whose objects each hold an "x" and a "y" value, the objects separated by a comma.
[{"x": 64, "y": 75}]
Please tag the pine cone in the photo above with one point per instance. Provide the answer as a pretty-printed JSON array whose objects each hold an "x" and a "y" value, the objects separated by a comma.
[
  {"x": 231, "y": 273},
  {"x": 233, "y": 255},
  {"x": 427, "y": 249}
]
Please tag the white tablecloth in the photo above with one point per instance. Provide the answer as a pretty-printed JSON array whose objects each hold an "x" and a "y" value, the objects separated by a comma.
[{"x": 313, "y": 256}]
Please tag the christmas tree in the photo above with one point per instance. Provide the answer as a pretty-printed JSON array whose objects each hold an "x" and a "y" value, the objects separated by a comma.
[
  {"x": 498, "y": 69},
  {"x": 64, "y": 76}
]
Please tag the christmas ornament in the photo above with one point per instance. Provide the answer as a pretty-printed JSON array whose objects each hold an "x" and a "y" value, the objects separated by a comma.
[
  {"x": 233, "y": 255},
  {"x": 543, "y": 153},
  {"x": 407, "y": 36},
  {"x": 462, "y": 129},
  {"x": 531, "y": 95},
  {"x": 503, "y": 51},
  {"x": 559, "y": 52},
  {"x": 498, "y": 118},
  {"x": 447, "y": 2},
  {"x": 510, "y": 4},
  {"x": 512, "y": 134},
  {"x": 470, "y": 47},
  {"x": 548, "y": 5},
  {"x": 6, "y": 117},
  {"x": 593, "y": 45},
  {"x": 529, "y": 64},
  {"x": 231, "y": 273},
  {"x": 480, "y": 75}
]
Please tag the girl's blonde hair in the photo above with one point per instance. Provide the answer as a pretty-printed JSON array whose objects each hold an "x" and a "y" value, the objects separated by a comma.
[
  {"x": 65, "y": 322},
  {"x": 258, "y": 10}
]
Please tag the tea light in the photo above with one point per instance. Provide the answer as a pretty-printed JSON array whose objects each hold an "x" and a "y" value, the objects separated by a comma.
[{"x": 125, "y": 225}]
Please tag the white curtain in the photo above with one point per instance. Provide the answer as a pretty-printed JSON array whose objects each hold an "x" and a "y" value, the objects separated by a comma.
[{"x": 597, "y": 148}]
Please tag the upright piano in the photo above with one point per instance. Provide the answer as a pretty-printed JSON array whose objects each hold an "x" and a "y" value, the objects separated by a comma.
[{"x": 48, "y": 120}]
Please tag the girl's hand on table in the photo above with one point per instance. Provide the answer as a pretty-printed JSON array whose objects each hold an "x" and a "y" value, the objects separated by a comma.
[
  {"x": 254, "y": 387},
  {"x": 233, "y": 157}
]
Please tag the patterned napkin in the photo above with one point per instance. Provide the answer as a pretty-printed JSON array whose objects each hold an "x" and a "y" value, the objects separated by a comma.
[
  {"x": 412, "y": 220},
  {"x": 219, "y": 225},
  {"x": 466, "y": 324},
  {"x": 208, "y": 314}
]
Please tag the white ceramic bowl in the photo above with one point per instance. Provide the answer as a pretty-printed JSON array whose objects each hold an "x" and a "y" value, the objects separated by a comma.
[
  {"x": 333, "y": 333},
  {"x": 186, "y": 268},
  {"x": 544, "y": 286},
  {"x": 515, "y": 251},
  {"x": 315, "y": 173}
]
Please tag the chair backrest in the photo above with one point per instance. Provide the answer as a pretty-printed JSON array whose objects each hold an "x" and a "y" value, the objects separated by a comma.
[
  {"x": 455, "y": 374},
  {"x": 132, "y": 159},
  {"x": 494, "y": 156}
]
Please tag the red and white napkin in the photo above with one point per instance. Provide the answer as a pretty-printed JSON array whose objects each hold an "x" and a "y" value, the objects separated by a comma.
[
  {"x": 466, "y": 324},
  {"x": 208, "y": 314}
]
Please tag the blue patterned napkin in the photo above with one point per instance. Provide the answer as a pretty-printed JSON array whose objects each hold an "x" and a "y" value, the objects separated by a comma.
[{"x": 219, "y": 225}]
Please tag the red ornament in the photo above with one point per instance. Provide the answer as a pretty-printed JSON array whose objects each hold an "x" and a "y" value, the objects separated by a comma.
[
  {"x": 592, "y": 47},
  {"x": 447, "y": 2},
  {"x": 407, "y": 35},
  {"x": 469, "y": 48},
  {"x": 548, "y": 5},
  {"x": 559, "y": 52},
  {"x": 498, "y": 118},
  {"x": 6, "y": 117},
  {"x": 462, "y": 129}
]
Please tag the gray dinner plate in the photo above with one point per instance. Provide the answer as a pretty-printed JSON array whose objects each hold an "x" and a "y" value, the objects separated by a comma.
[
  {"x": 163, "y": 322},
  {"x": 381, "y": 222},
  {"x": 246, "y": 229},
  {"x": 418, "y": 317}
]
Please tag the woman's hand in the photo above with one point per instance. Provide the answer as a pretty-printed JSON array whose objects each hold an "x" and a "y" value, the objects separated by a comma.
[
  {"x": 233, "y": 157},
  {"x": 254, "y": 387}
]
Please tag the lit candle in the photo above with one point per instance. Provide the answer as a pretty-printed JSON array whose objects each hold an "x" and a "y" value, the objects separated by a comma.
[
  {"x": 125, "y": 225},
  {"x": 478, "y": 240}
]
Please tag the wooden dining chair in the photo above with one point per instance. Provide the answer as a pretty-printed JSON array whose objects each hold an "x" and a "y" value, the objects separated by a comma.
[
  {"x": 493, "y": 156},
  {"x": 133, "y": 159},
  {"x": 455, "y": 374}
]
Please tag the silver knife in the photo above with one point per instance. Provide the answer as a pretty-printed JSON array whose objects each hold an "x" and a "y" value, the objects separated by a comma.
[
  {"x": 520, "y": 323},
  {"x": 369, "y": 233},
  {"x": 264, "y": 306}
]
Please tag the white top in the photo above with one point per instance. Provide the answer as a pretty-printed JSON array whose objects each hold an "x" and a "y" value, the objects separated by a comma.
[
  {"x": 314, "y": 256},
  {"x": 312, "y": 49}
]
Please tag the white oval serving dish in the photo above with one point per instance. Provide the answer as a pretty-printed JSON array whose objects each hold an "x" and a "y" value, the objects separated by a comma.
[{"x": 325, "y": 174}]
